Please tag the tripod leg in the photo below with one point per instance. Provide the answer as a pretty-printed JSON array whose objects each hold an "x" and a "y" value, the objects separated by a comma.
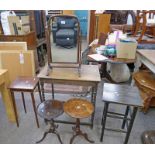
[
  {"x": 55, "y": 132},
  {"x": 45, "y": 134},
  {"x": 71, "y": 140},
  {"x": 86, "y": 137}
]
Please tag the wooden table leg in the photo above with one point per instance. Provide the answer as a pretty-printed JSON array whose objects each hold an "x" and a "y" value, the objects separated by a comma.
[
  {"x": 93, "y": 100},
  {"x": 78, "y": 132},
  {"x": 34, "y": 108},
  {"x": 42, "y": 90},
  {"x": 6, "y": 97},
  {"x": 39, "y": 90},
  {"x": 23, "y": 101},
  {"x": 15, "y": 108}
]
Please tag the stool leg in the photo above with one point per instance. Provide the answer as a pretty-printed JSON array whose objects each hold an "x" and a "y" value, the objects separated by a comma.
[
  {"x": 40, "y": 93},
  {"x": 125, "y": 117},
  {"x": 106, "y": 105},
  {"x": 15, "y": 108},
  {"x": 130, "y": 124},
  {"x": 23, "y": 101},
  {"x": 34, "y": 108}
]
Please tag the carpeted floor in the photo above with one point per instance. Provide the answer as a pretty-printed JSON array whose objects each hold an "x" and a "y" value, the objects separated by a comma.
[{"x": 28, "y": 133}]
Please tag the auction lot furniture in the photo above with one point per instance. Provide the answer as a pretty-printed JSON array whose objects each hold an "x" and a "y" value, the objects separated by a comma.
[
  {"x": 120, "y": 95},
  {"x": 25, "y": 84},
  {"x": 78, "y": 109},
  {"x": 6, "y": 96},
  {"x": 104, "y": 62},
  {"x": 89, "y": 77},
  {"x": 49, "y": 110}
]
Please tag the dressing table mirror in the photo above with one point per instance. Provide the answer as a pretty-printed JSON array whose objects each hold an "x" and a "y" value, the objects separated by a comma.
[{"x": 64, "y": 42}]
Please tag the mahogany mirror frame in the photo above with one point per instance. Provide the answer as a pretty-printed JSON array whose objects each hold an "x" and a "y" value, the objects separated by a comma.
[{"x": 51, "y": 64}]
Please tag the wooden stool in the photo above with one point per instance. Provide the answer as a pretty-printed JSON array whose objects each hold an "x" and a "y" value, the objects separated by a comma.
[
  {"x": 121, "y": 95},
  {"x": 25, "y": 84},
  {"x": 49, "y": 110},
  {"x": 78, "y": 108}
]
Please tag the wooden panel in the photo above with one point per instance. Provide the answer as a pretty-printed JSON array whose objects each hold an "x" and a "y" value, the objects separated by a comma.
[
  {"x": 13, "y": 46},
  {"x": 102, "y": 24},
  {"x": 92, "y": 26},
  {"x": 11, "y": 60},
  {"x": 15, "y": 25},
  {"x": 29, "y": 38},
  {"x": 6, "y": 97}
]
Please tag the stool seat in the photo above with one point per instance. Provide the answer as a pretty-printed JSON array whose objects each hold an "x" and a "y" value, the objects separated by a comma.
[
  {"x": 78, "y": 108},
  {"x": 50, "y": 109},
  {"x": 24, "y": 83},
  {"x": 122, "y": 94}
]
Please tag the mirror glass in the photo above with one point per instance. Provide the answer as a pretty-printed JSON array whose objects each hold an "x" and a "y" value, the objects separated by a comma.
[{"x": 64, "y": 39}]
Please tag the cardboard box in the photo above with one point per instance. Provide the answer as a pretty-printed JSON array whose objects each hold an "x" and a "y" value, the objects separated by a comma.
[
  {"x": 15, "y": 25},
  {"x": 25, "y": 24},
  {"x": 126, "y": 49}
]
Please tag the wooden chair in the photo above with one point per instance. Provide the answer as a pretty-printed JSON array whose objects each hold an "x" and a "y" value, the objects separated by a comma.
[{"x": 144, "y": 27}]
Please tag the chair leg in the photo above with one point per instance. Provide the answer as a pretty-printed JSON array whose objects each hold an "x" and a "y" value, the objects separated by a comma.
[
  {"x": 34, "y": 108},
  {"x": 15, "y": 108},
  {"x": 23, "y": 98},
  {"x": 106, "y": 105}
]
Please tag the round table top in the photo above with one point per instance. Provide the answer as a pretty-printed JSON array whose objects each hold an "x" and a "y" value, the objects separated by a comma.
[
  {"x": 50, "y": 109},
  {"x": 78, "y": 108}
]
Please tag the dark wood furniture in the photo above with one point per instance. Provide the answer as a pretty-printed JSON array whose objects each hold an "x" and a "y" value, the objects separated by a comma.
[
  {"x": 33, "y": 42},
  {"x": 25, "y": 84},
  {"x": 120, "y": 95},
  {"x": 90, "y": 77},
  {"x": 49, "y": 110},
  {"x": 78, "y": 109}
]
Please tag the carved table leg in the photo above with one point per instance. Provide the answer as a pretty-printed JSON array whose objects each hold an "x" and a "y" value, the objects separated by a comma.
[
  {"x": 52, "y": 129},
  {"x": 78, "y": 132}
]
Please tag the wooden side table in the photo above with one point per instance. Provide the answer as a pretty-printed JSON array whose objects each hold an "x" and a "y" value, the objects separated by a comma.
[
  {"x": 78, "y": 108},
  {"x": 25, "y": 84},
  {"x": 49, "y": 110}
]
